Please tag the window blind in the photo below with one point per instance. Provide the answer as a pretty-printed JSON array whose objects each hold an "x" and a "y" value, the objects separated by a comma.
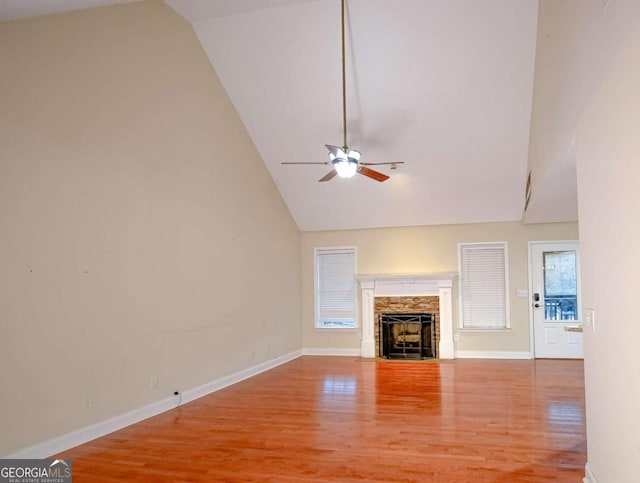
[
  {"x": 335, "y": 288},
  {"x": 484, "y": 286}
]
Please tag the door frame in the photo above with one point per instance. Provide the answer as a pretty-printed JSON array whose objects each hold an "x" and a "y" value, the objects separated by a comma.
[{"x": 530, "y": 245}]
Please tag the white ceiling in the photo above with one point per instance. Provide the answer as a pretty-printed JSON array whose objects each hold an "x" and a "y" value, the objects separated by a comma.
[
  {"x": 198, "y": 10},
  {"x": 443, "y": 85}
]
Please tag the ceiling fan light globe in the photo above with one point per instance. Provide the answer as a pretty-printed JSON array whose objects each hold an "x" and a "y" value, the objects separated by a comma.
[
  {"x": 353, "y": 154},
  {"x": 346, "y": 169}
]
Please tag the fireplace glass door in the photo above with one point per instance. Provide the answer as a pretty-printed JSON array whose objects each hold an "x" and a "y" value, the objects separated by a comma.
[{"x": 407, "y": 336}]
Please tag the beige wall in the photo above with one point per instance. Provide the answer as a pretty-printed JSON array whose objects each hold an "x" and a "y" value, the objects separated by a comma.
[
  {"x": 608, "y": 148},
  {"x": 430, "y": 249},
  {"x": 588, "y": 86},
  {"x": 140, "y": 233}
]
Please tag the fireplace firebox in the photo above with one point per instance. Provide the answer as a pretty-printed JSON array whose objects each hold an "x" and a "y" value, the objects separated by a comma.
[{"x": 407, "y": 336}]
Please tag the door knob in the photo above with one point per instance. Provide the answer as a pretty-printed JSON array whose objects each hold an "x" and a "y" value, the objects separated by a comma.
[{"x": 536, "y": 305}]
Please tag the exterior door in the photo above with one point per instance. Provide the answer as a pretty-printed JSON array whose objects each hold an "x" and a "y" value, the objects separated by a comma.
[{"x": 555, "y": 299}]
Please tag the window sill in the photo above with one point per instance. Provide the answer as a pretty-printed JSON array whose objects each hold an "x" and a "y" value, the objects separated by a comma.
[
  {"x": 482, "y": 331},
  {"x": 337, "y": 329}
]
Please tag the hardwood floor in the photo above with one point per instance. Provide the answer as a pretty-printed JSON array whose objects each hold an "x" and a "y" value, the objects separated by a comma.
[{"x": 348, "y": 419}]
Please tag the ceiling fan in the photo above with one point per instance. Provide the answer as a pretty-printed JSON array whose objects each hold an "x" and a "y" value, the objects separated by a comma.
[{"x": 346, "y": 162}]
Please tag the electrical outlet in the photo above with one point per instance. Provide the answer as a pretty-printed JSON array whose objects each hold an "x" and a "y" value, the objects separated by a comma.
[
  {"x": 590, "y": 318},
  {"x": 87, "y": 403},
  {"x": 154, "y": 383},
  {"x": 522, "y": 293},
  {"x": 456, "y": 338}
]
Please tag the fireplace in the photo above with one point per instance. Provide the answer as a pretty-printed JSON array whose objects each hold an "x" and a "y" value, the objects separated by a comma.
[
  {"x": 409, "y": 305},
  {"x": 437, "y": 284},
  {"x": 407, "y": 336}
]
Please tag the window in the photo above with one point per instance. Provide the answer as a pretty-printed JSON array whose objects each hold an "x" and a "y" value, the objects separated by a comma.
[
  {"x": 335, "y": 288},
  {"x": 484, "y": 286}
]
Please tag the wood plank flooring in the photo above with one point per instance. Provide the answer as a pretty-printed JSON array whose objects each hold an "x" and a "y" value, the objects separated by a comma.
[{"x": 347, "y": 419}]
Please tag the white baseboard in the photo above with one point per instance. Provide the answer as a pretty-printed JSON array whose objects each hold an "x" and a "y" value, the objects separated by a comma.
[
  {"x": 213, "y": 386},
  {"x": 492, "y": 355},
  {"x": 88, "y": 433},
  {"x": 331, "y": 352},
  {"x": 458, "y": 354},
  {"x": 588, "y": 474}
]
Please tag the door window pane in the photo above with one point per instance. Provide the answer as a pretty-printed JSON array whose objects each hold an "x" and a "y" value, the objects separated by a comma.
[{"x": 560, "y": 285}]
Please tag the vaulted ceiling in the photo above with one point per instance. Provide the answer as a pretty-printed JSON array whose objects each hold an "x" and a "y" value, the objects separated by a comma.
[{"x": 445, "y": 86}]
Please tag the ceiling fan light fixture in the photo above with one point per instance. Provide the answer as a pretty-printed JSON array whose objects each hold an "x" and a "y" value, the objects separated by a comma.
[
  {"x": 345, "y": 168},
  {"x": 344, "y": 161},
  {"x": 339, "y": 154}
]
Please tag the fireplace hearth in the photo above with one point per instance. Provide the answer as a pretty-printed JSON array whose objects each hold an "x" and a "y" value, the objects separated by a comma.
[{"x": 407, "y": 336}]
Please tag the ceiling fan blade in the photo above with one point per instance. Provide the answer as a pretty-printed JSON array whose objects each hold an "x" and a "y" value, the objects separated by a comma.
[
  {"x": 380, "y": 164},
  {"x": 370, "y": 173},
  {"x": 318, "y": 162},
  {"x": 328, "y": 176}
]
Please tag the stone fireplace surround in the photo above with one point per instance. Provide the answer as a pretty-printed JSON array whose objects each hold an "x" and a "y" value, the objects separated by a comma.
[{"x": 439, "y": 284}]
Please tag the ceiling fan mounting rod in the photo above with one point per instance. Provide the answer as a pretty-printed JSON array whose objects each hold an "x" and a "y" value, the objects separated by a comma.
[
  {"x": 345, "y": 162},
  {"x": 344, "y": 88}
]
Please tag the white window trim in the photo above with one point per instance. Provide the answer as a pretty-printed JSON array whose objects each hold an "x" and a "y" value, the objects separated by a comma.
[
  {"x": 356, "y": 326},
  {"x": 461, "y": 327}
]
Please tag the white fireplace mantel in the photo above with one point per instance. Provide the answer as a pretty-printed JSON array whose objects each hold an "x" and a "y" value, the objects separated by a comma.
[{"x": 439, "y": 284}]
